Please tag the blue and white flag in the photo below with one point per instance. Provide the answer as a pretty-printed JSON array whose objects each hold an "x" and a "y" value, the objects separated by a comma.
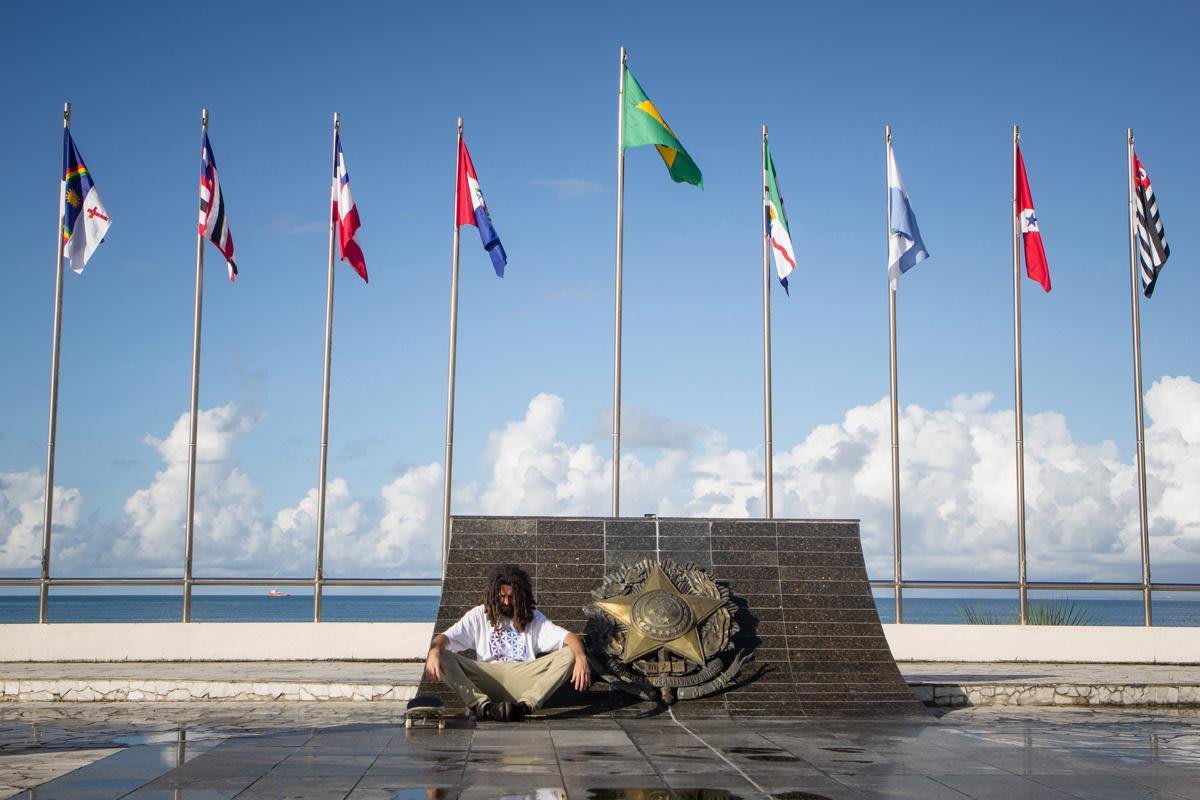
[{"x": 905, "y": 248}]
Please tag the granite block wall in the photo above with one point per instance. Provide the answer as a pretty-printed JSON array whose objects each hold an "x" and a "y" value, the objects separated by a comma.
[{"x": 804, "y": 604}]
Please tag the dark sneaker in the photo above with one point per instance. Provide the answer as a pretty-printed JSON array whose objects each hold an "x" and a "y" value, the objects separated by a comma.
[
  {"x": 483, "y": 711},
  {"x": 525, "y": 709},
  {"x": 498, "y": 712},
  {"x": 517, "y": 711}
]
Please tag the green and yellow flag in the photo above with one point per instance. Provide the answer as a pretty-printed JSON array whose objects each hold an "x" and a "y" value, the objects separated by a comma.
[{"x": 643, "y": 125}]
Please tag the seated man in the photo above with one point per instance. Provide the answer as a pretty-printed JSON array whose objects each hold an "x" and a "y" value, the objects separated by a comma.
[{"x": 521, "y": 656}]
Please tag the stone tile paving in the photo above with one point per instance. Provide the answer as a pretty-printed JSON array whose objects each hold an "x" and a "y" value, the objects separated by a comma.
[{"x": 220, "y": 751}]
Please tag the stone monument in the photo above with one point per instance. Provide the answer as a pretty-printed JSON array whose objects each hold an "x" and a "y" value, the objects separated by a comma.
[{"x": 745, "y": 617}]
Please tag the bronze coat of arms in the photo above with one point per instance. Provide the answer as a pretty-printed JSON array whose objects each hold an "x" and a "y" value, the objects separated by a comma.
[{"x": 661, "y": 631}]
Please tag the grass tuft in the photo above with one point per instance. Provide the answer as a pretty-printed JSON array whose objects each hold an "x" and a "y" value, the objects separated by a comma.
[
  {"x": 1059, "y": 611},
  {"x": 1056, "y": 611}
]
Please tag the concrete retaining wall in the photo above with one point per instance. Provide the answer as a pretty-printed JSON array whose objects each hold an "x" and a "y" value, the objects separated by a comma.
[
  {"x": 1098, "y": 644},
  {"x": 370, "y": 641},
  {"x": 216, "y": 641}
]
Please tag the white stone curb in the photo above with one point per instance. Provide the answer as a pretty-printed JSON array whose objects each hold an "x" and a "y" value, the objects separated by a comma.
[
  {"x": 171, "y": 691},
  {"x": 1098, "y": 695},
  {"x": 935, "y": 694}
]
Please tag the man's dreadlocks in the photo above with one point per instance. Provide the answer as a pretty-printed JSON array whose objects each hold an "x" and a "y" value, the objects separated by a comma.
[{"x": 522, "y": 599}]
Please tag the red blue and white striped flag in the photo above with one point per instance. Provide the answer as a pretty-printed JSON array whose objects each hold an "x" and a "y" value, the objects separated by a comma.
[
  {"x": 345, "y": 214},
  {"x": 213, "y": 224},
  {"x": 473, "y": 211}
]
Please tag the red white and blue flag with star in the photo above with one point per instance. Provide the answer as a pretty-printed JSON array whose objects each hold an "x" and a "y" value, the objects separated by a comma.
[
  {"x": 84, "y": 218},
  {"x": 1035, "y": 255},
  {"x": 473, "y": 211},
  {"x": 345, "y": 213},
  {"x": 213, "y": 224}
]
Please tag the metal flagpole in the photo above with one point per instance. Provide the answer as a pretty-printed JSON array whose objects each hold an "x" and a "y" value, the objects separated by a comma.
[
  {"x": 319, "y": 572},
  {"x": 189, "y": 526},
  {"x": 450, "y": 367},
  {"x": 44, "y": 586},
  {"x": 769, "y": 470},
  {"x": 616, "y": 414},
  {"x": 1023, "y": 591},
  {"x": 897, "y": 571},
  {"x": 1135, "y": 306}
]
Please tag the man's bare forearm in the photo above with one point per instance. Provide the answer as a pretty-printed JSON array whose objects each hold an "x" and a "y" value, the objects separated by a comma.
[
  {"x": 433, "y": 661},
  {"x": 575, "y": 645}
]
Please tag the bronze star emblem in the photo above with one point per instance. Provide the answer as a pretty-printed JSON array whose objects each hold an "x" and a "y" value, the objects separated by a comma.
[{"x": 661, "y": 617}]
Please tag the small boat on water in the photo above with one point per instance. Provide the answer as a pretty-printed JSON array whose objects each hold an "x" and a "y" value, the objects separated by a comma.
[{"x": 277, "y": 593}]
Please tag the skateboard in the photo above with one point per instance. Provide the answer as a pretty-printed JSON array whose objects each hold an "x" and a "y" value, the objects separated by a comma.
[{"x": 425, "y": 709}]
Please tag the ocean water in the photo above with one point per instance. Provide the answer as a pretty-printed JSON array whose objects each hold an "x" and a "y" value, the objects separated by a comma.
[
  {"x": 423, "y": 608},
  {"x": 952, "y": 610},
  {"x": 222, "y": 608}
]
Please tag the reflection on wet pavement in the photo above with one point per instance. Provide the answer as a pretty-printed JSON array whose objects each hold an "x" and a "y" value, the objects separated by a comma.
[
  {"x": 661, "y": 794},
  {"x": 351, "y": 751}
]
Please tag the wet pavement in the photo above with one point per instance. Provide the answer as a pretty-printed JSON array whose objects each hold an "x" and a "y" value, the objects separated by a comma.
[{"x": 216, "y": 751}]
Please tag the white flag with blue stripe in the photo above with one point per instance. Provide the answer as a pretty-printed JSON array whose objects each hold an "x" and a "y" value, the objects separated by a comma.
[{"x": 905, "y": 248}]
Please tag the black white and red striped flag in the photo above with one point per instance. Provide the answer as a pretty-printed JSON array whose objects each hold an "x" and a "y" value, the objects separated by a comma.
[
  {"x": 1152, "y": 247},
  {"x": 213, "y": 224}
]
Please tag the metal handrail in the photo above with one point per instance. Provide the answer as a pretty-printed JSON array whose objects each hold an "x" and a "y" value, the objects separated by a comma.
[
  {"x": 1057, "y": 586},
  {"x": 431, "y": 582},
  {"x": 1032, "y": 586}
]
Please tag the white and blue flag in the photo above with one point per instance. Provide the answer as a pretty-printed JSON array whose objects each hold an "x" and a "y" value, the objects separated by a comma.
[{"x": 905, "y": 248}]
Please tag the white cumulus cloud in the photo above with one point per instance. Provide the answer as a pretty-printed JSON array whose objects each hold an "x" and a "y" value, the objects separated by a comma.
[
  {"x": 228, "y": 520},
  {"x": 22, "y": 510},
  {"x": 958, "y": 495}
]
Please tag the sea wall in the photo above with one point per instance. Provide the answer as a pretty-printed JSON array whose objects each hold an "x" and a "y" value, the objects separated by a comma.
[
  {"x": 392, "y": 641},
  {"x": 1084, "y": 644},
  {"x": 216, "y": 641}
]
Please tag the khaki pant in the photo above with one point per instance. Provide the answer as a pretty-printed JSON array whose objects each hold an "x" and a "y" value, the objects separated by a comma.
[{"x": 504, "y": 681}]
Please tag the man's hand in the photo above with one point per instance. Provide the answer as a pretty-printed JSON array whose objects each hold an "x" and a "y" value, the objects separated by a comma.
[
  {"x": 433, "y": 661},
  {"x": 581, "y": 675}
]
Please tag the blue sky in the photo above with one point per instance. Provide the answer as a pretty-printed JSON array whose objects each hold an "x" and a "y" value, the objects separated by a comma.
[{"x": 536, "y": 85}]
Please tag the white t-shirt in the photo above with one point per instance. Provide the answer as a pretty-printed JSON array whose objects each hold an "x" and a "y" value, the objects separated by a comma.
[{"x": 503, "y": 642}]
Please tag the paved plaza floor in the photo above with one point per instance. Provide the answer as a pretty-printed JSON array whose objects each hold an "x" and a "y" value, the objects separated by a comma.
[{"x": 214, "y": 751}]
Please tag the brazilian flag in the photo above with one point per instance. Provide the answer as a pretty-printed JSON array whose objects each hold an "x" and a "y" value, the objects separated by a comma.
[{"x": 643, "y": 125}]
